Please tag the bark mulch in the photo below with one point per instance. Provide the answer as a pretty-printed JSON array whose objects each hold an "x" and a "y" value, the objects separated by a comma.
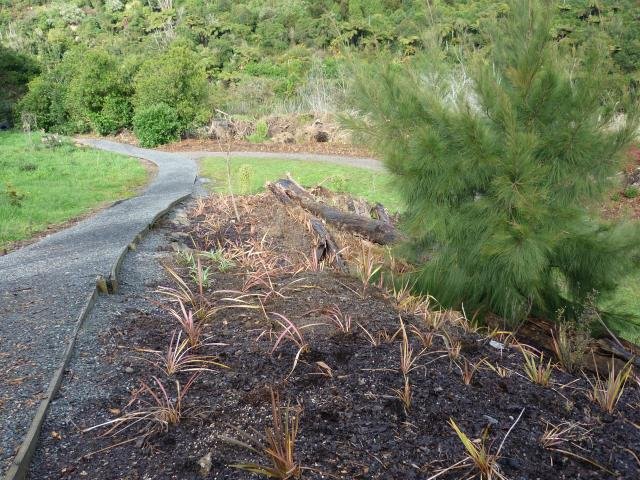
[{"x": 351, "y": 424}]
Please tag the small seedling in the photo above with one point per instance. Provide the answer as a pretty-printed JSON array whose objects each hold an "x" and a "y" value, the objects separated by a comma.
[
  {"x": 192, "y": 328},
  {"x": 478, "y": 458},
  {"x": 426, "y": 338},
  {"x": 452, "y": 345},
  {"x": 631, "y": 192},
  {"x": 293, "y": 333},
  {"x": 341, "y": 321},
  {"x": 435, "y": 320},
  {"x": 569, "y": 343},
  {"x": 201, "y": 275},
  {"x": 367, "y": 267},
  {"x": 222, "y": 263},
  {"x": 535, "y": 368},
  {"x": 408, "y": 360},
  {"x": 277, "y": 445},
  {"x": 607, "y": 392},
  {"x": 468, "y": 369},
  {"x": 185, "y": 258},
  {"x": 499, "y": 370},
  {"x": 157, "y": 412},
  {"x": 374, "y": 341},
  {"x": 404, "y": 394},
  {"x": 180, "y": 357}
]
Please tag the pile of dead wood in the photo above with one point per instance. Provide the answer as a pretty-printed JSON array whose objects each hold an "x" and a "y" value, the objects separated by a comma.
[
  {"x": 376, "y": 227},
  {"x": 373, "y": 223}
]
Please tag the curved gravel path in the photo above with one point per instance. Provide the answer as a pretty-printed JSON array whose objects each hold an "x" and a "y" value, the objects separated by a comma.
[
  {"x": 44, "y": 286},
  {"x": 360, "y": 162}
]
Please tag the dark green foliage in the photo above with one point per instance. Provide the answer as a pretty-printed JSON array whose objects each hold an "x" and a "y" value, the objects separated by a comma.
[
  {"x": 503, "y": 174},
  {"x": 156, "y": 125},
  {"x": 46, "y": 102},
  {"x": 15, "y": 72},
  {"x": 85, "y": 91},
  {"x": 631, "y": 192},
  {"x": 176, "y": 79},
  {"x": 97, "y": 95},
  {"x": 114, "y": 115},
  {"x": 260, "y": 55}
]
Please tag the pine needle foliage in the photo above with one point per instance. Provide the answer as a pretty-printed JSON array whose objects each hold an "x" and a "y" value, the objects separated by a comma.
[{"x": 503, "y": 165}]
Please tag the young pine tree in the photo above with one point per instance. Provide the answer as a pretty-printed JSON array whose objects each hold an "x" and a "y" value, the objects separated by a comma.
[{"x": 504, "y": 174}]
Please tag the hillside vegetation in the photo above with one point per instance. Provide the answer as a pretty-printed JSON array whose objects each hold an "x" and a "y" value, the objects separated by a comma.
[{"x": 103, "y": 66}]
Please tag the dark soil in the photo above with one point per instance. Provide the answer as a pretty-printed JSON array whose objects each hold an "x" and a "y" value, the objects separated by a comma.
[{"x": 351, "y": 425}]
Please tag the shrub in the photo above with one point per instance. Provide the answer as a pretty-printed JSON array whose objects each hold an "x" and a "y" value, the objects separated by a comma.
[
  {"x": 97, "y": 92},
  {"x": 114, "y": 116},
  {"x": 246, "y": 173},
  {"x": 156, "y": 125},
  {"x": 502, "y": 175},
  {"x": 15, "y": 72},
  {"x": 45, "y": 101},
  {"x": 260, "y": 133},
  {"x": 631, "y": 192},
  {"x": 175, "y": 78}
]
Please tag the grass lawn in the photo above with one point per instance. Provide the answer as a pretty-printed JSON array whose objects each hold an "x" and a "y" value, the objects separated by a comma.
[
  {"x": 42, "y": 186},
  {"x": 248, "y": 176}
]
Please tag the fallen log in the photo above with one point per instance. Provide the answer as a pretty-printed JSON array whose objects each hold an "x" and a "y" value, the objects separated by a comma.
[
  {"x": 380, "y": 213},
  {"x": 289, "y": 192},
  {"x": 325, "y": 248}
]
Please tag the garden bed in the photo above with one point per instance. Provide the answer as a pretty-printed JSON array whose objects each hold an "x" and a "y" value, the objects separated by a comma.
[{"x": 344, "y": 388}]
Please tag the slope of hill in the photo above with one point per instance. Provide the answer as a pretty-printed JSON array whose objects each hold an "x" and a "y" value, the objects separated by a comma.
[{"x": 253, "y": 56}]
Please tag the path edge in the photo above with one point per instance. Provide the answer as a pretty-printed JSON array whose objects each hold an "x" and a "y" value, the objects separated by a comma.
[{"x": 22, "y": 461}]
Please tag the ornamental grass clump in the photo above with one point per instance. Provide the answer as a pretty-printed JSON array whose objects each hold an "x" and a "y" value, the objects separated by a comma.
[{"x": 503, "y": 164}]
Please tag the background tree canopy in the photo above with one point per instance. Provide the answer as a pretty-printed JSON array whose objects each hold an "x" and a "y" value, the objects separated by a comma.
[{"x": 246, "y": 56}]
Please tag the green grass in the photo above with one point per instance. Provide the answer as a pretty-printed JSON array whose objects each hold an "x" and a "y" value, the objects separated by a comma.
[
  {"x": 43, "y": 186},
  {"x": 248, "y": 176}
]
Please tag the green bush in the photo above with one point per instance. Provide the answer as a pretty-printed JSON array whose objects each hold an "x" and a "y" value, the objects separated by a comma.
[
  {"x": 16, "y": 70},
  {"x": 113, "y": 117},
  {"x": 45, "y": 100},
  {"x": 176, "y": 78},
  {"x": 631, "y": 192},
  {"x": 156, "y": 125},
  {"x": 260, "y": 133},
  {"x": 502, "y": 175},
  {"x": 86, "y": 90},
  {"x": 97, "y": 92}
]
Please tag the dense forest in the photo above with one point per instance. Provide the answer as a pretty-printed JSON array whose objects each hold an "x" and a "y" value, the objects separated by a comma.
[{"x": 104, "y": 65}]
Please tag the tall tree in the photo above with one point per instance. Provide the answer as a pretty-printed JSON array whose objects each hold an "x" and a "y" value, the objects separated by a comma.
[{"x": 503, "y": 175}]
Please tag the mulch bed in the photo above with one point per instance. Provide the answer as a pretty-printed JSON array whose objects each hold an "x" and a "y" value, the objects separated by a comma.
[{"x": 351, "y": 424}]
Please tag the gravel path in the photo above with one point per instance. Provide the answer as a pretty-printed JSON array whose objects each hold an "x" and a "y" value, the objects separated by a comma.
[
  {"x": 98, "y": 368},
  {"x": 361, "y": 162},
  {"x": 44, "y": 286}
]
